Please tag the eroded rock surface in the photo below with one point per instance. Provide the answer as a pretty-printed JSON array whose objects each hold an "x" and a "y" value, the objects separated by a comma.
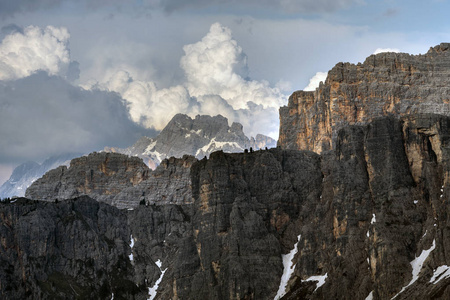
[
  {"x": 99, "y": 175},
  {"x": 395, "y": 84}
]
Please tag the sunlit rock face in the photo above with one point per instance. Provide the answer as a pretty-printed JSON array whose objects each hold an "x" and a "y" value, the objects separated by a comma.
[{"x": 385, "y": 84}]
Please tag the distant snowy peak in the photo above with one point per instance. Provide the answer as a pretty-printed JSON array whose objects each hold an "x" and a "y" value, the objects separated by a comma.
[
  {"x": 25, "y": 174},
  {"x": 198, "y": 137}
]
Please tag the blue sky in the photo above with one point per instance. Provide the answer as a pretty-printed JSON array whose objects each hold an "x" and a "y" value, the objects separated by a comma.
[{"x": 137, "y": 54}]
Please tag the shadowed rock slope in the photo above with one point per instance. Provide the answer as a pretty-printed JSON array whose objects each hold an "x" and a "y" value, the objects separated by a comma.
[{"x": 369, "y": 218}]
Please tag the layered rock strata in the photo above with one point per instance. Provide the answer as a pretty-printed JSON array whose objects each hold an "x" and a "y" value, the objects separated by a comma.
[
  {"x": 117, "y": 179},
  {"x": 385, "y": 84},
  {"x": 170, "y": 183},
  {"x": 100, "y": 175}
]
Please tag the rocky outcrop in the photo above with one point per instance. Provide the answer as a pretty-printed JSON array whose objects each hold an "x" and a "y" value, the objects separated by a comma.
[
  {"x": 385, "y": 84},
  {"x": 364, "y": 216},
  {"x": 198, "y": 137},
  {"x": 119, "y": 180},
  {"x": 99, "y": 175}
]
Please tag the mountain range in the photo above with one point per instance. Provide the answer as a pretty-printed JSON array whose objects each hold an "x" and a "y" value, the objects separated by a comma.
[
  {"x": 198, "y": 137},
  {"x": 353, "y": 203}
]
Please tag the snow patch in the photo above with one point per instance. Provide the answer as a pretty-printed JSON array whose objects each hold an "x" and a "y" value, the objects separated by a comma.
[
  {"x": 288, "y": 269},
  {"x": 416, "y": 201},
  {"x": 367, "y": 234},
  {"x": 153, "y": 290},
  {"x": 442, "y": 272},
  {"x": 374, "y": 219},
  {"x": 150, "y": 147},
  {"x": 159, "y": 157},
  {"x": 370, "y": 296},
  {"x": 416, "y": 265},
  {"x": 215, "y": 145},
  {"x": 319, "y": 278},
  {"x": 131, "y": 257}
]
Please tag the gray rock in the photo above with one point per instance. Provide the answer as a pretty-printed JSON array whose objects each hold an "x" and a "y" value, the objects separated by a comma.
[{"x": 99, "y": 175}]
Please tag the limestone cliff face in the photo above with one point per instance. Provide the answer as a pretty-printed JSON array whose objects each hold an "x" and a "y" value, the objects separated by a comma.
[
  {"x": 385, "y": 84},
  {"x": 170, "y": 183},
  {"x": 100, "y": 175},
  {"x": 117, "y": 179},
  {"x": 368, "y": 218},
  {"x": 385, "y": 202},
  {"x": 69, "y": 250}
]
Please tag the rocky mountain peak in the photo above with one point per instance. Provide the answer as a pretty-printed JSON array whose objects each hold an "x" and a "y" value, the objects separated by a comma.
[
  {"x": 396, "y": 84},
  {"x": 198, "y": 137}
]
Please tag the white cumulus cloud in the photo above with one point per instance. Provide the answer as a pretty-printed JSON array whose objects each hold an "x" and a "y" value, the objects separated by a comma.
[
  {"x": 216, "y": 83},
  {"x": 149, "y": 106},
  {"x": 216, "y": 65},
  {"x": 315, "y": 81},
  {"x": 23, "y": 53}
]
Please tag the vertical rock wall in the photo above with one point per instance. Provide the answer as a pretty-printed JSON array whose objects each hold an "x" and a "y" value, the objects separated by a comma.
[{"x": 385, "y": 84}]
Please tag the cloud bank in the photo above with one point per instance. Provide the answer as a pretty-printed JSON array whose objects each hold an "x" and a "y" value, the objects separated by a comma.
[
  {"x": 290, "y": 6},
  {"x": 41, "y": 113},
  {"x": 44, "y": 115},
  {"x": 217, "y": 82},
  {"x": 22, "y": 53}
]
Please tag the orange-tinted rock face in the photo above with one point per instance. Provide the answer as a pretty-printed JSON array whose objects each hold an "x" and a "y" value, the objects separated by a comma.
[
  {"x": 385, "y": 84},
  {"x": 100, "y": 175}
]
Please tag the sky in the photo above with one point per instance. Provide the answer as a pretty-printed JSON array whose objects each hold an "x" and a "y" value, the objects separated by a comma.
[{"x": 76, "y": 76}]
